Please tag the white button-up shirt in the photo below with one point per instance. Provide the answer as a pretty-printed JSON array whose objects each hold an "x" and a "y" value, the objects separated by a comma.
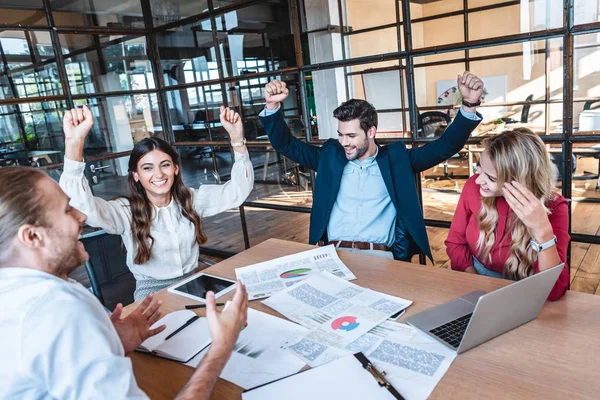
[
  {"x": 57, "y": 342},
  {"x": 175, "y": 251}
]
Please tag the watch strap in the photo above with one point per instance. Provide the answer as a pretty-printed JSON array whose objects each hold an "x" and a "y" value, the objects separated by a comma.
[
  {"x": 543, "y": 246},
  {"x": 238, "y": 144},
  {"x": 469, "y": 104}
]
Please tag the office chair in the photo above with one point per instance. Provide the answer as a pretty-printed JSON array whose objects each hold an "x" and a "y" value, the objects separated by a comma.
[
  {"x": 588, "y": 105},
  {"x": 524, "y": 113},
  {"x": 432, "y": 124}
]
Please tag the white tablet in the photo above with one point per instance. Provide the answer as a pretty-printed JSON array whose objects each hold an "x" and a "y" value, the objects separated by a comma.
[{"x": 196, "y": 286}]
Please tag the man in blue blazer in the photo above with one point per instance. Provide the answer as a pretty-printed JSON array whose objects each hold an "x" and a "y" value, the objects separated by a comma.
[{"x": 364, "y": 196}]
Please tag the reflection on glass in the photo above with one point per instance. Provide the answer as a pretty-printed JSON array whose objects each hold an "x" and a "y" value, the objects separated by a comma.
[
  {"x": 121, "y": 122},
  {"x": 125, "y": 14},
  {"x": 187, "y": 54},
  {"x": 526, "y": 17},
  {"x": 255, "y": 39},
  {"x": 586, "y": 91},
  {"x": 97, "y": 65},
  {"x": 26, "y": 57},
  {"x": 520, "y": 76},
  {"x": 586, "y": 11},
  {"x": 165, "y": 12},
  {"x": 23, "y": 13},
  {"x": 9, "y": 126}
]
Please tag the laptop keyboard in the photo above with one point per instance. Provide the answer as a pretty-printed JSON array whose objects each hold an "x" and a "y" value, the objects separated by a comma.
[{"x": 453, "y": 331}]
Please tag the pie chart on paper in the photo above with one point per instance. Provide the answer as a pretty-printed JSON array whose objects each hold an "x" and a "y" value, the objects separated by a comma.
[
  {"x": 347, "y": 323},
  {"x": 295, "y": 273}
]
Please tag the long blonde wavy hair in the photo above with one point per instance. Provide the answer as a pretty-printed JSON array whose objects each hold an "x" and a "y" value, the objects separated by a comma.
[{"x": 517, "y": 155}]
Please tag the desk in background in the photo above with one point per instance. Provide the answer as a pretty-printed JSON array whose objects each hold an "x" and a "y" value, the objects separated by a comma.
[{"x": 552, "y": 357}]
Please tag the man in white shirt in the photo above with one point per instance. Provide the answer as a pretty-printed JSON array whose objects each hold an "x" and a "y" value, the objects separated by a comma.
[{"x": 56, "y": 341}]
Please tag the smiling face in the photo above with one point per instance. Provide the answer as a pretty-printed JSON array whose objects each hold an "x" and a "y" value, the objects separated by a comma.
[
  {"x": 64, "y": 252},
  {"x": 487, "y": 178},
  {"x": 156, "y": 172},
  {"x": 354, "y": 140}
]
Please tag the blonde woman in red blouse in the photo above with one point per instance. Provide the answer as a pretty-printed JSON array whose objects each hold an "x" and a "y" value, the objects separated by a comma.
[{"x": 510, "y": 222}]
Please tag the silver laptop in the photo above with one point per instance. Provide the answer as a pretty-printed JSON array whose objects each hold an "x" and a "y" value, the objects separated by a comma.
[{"x": 475, "y": 318}]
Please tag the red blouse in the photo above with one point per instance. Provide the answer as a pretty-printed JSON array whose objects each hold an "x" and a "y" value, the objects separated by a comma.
[{"x": 461, "y": 244}]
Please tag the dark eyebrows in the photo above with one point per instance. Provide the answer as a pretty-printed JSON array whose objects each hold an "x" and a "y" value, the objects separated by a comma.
[{"x": 346, "y": 134}]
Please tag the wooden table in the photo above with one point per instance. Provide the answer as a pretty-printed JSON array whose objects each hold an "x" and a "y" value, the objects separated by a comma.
[{"x": 555, "y": 356}]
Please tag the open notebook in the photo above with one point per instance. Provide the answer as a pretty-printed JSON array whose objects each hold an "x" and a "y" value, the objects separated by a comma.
[{"x": 185, "y": 336}]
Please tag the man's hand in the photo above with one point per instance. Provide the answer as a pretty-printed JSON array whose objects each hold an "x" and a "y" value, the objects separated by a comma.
[
  {"x": 77, "y": 123},
  {"x": 275, "y": 92},
  {"x": 470, "y": 87},
  {"x": 232, "y": 122},
  {"x": 225, "y": 326},
  {"x": 135, "y": 328}
]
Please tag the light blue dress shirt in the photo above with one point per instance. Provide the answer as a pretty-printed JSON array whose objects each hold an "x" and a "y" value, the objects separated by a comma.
[{"x": 363, "y": 210}]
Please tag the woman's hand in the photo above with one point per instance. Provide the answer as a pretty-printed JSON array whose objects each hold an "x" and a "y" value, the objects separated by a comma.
[
  {"x": 529, "y": 210},
  {"x": 232, "y": 122},
  {"x": 77, "y": 123}
]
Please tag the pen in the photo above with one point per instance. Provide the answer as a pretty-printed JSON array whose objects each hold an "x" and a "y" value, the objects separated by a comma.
[
  {"x": 188, "y": 323},
  {"x": 194, "y": 306}
]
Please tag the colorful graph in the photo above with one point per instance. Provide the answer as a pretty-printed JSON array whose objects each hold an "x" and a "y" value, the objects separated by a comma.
[
  {"x": 318, "y": 317},
  {"x": 295, "y": 273},
  {"x": 248, "y": 349},
  {"x": 347, "y": 323}
]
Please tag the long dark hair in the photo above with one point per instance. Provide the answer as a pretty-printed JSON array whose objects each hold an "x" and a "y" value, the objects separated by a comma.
[{"x": 141, "y": 208}]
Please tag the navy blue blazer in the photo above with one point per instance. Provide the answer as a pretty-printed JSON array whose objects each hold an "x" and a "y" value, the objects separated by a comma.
[{"x": 398, "y": 167}]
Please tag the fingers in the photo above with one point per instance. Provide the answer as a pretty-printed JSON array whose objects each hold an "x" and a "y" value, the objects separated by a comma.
[
  {"x": 155, "y": 317},
  {"x": 74, "y": 117},
  {"x": 515, "y": 194},
  {"x": 276, "y": 87},
  {"x": 156, "y": 331},
  {"x": 145, "y": 304},
  {"x": 116, "y": 314},
  {"x": 229, "y": 115},
  {"x": 525, "y": 192},
  {"x": 153, "y": 312},
  {"x": 240, "y": 296},
  {"x": 79, "y": 115},
  {"x": 211, "y": 308},
  {"x": 87, "y": 113},
  {"x": 469, "y": 80},
  {"x": 68, "y": 118}
]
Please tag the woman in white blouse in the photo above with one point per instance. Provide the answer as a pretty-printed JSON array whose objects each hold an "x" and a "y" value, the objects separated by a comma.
[{"x": 160, "y": 220}]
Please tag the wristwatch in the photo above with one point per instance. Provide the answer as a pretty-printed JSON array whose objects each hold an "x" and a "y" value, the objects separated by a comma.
[
  {"x": 238, "y": 144},
  {"x": 542, "y": 246},
  {"x": 466, "y": 103}
]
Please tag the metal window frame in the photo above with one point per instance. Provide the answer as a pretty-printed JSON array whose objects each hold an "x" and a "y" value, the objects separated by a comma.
[{"x": 404, "y": 56}]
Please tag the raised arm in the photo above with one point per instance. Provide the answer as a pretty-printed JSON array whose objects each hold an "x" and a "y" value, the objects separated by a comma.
[
  {"x": 213, "y": 199},
  {"x": 110, "y": 215},
  {"x": 279, "y": 134},
  {"x": 457, "y": 134}
]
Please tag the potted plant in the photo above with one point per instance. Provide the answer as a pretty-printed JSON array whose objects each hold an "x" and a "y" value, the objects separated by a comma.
[{"x": 500, "y": 124}]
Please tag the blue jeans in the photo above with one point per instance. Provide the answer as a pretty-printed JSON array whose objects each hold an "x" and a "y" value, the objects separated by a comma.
[{"x": 482, "y": 270}]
